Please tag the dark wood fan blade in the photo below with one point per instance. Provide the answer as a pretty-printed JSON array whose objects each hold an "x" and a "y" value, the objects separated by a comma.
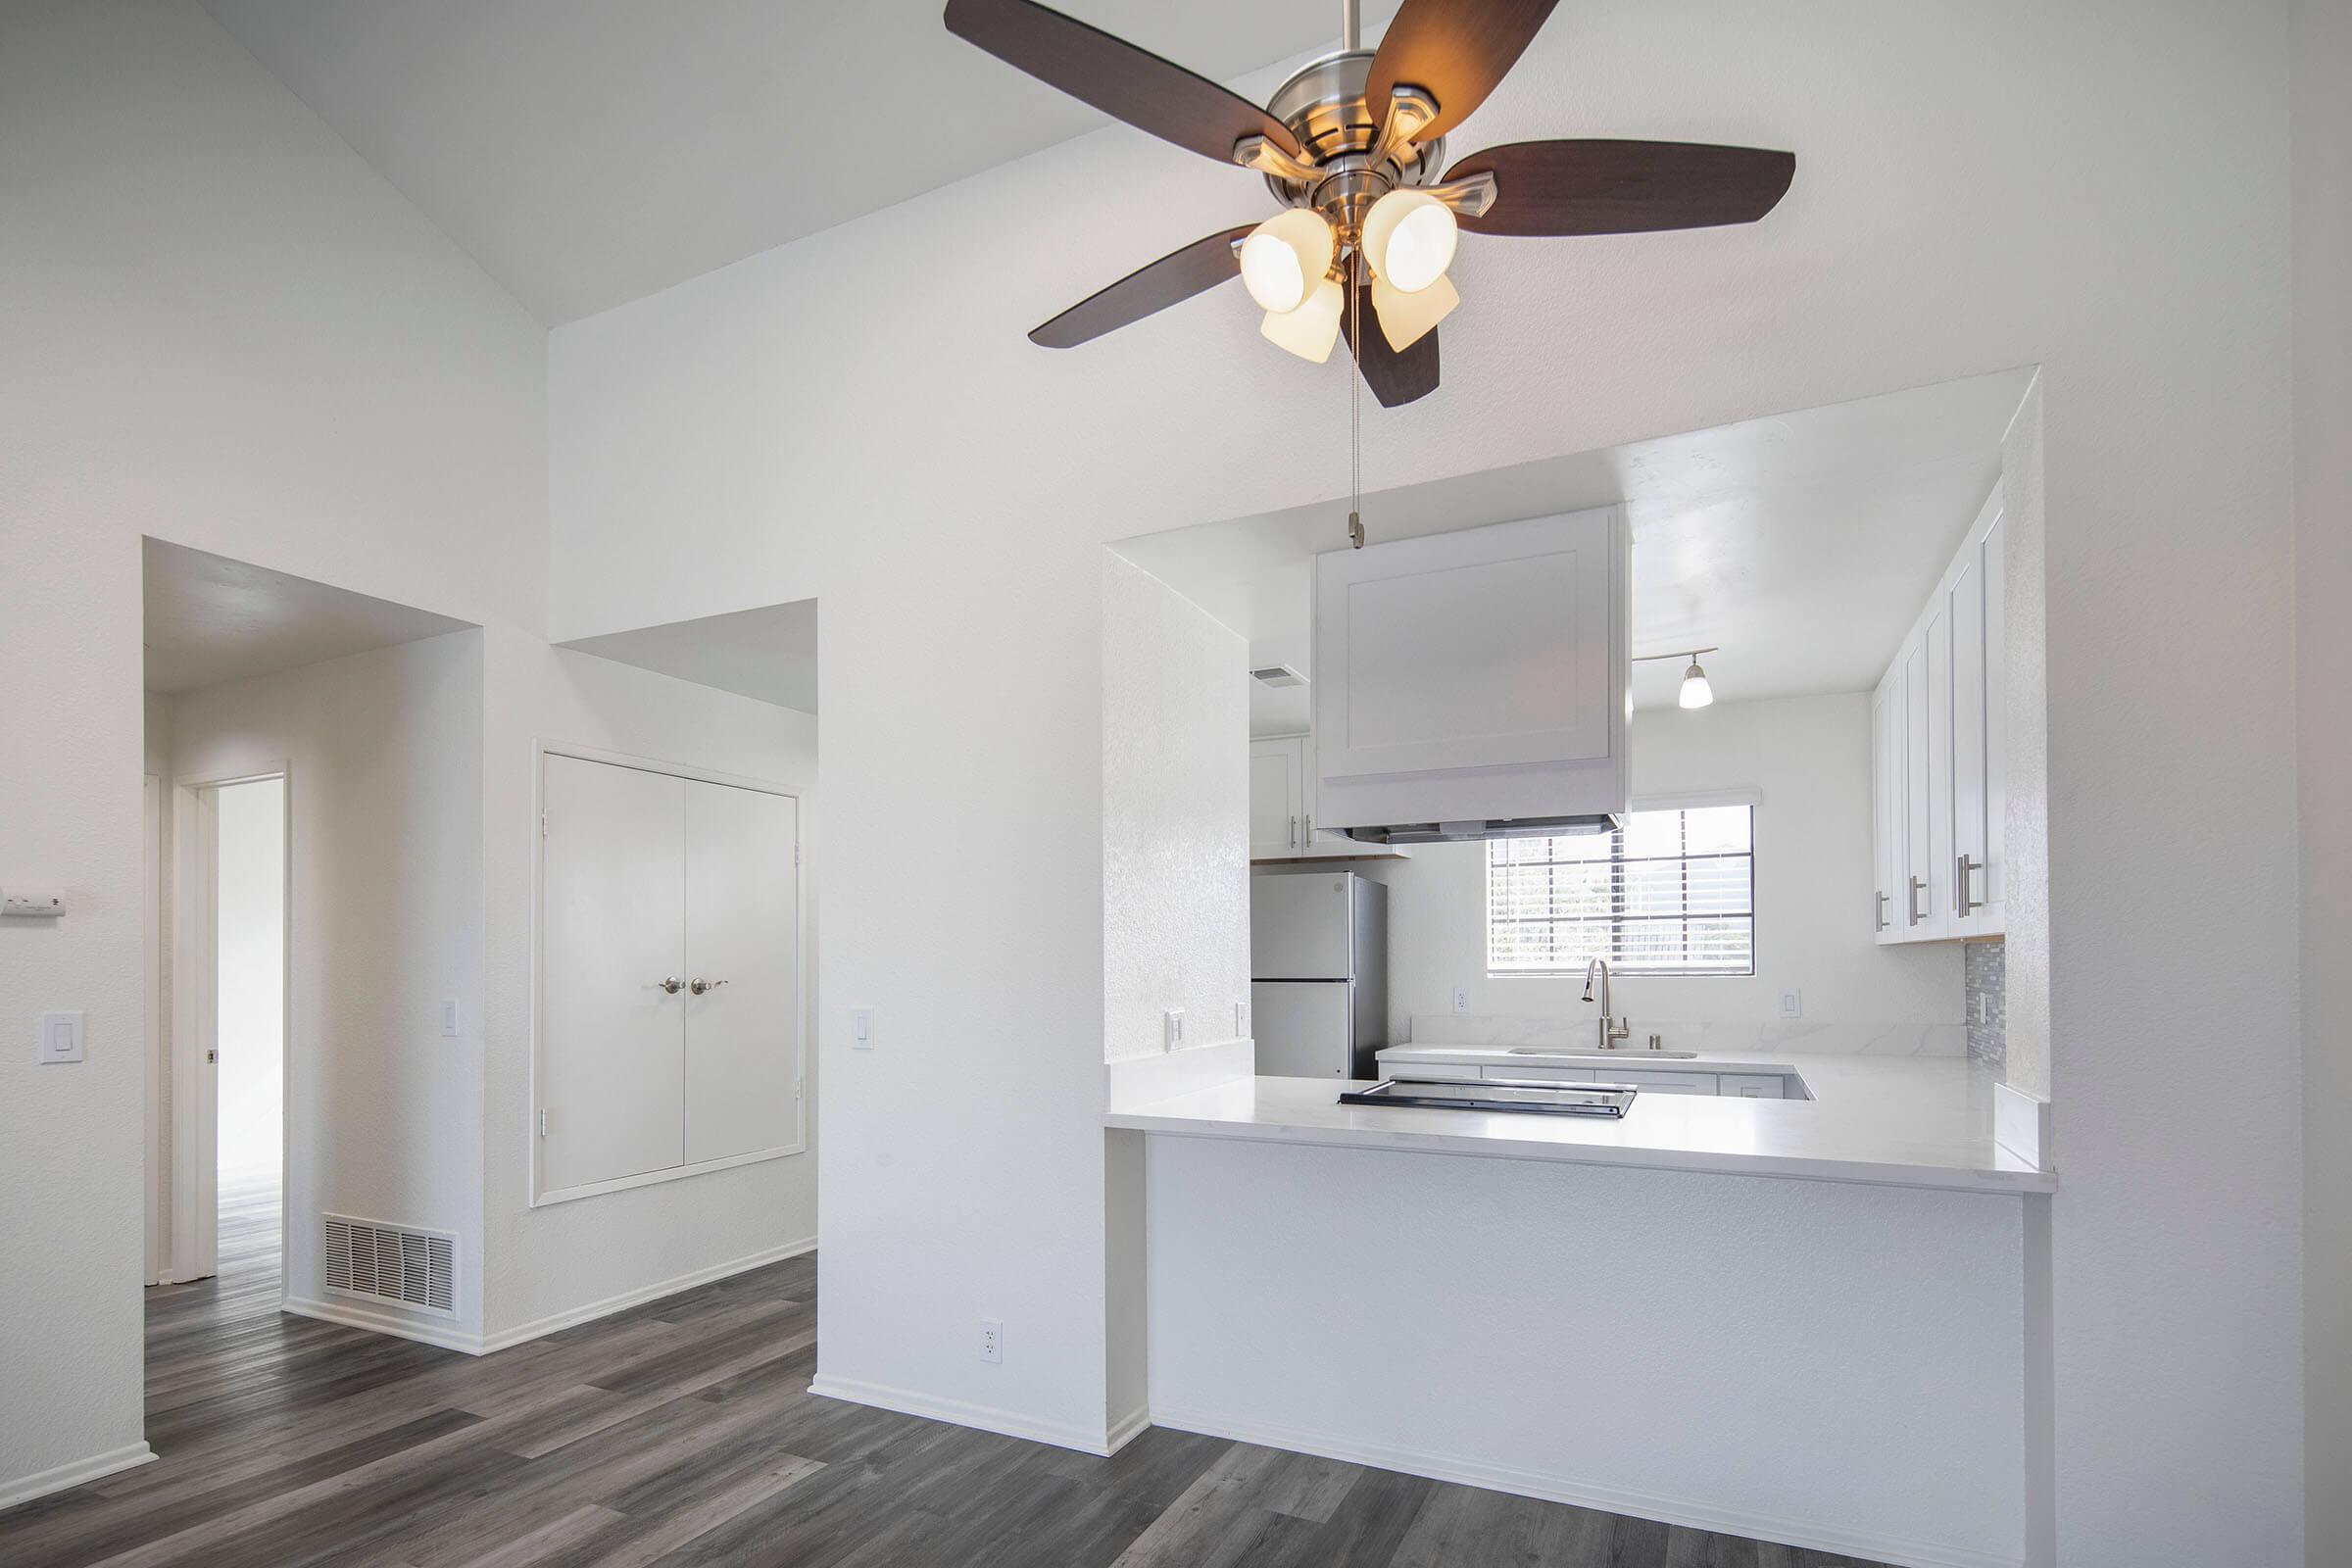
[
  {"x": 1457, "y": 50},
  {"x": 1115, "y": 77},
  {"x": 1394, "y": 378},
  {"x": 1624, "y": 187},
  {"x": 1178, "y": 275}
]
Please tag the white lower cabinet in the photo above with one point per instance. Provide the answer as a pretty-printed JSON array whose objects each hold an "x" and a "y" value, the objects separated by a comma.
[
  {"x": 1939, "y": 755},
  {"x": 669, "y": 1006},
  {"x": 1658, "y": 1083},
  {"x": 1751, "y": 1085}
]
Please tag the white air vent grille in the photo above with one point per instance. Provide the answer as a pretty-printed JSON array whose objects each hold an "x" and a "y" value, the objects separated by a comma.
[
  {"x": 387, "y": 1264},
  {"x": 1278, "y": 676}
]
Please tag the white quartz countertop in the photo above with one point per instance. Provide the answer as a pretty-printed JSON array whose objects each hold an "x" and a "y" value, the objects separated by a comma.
[{"x": 1901, "y": 1121}]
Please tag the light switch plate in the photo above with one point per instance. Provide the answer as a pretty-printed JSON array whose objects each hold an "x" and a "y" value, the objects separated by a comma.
[
  {"x": 1793, "y": 1004},
  {"x": 33, "y": 903},
  {"x": 1173, "y": 1028},
  {"x": 861, "y": 1028},
  {"x": 449, "y": 1018},
  {"x": 61, "y": 1038},
  {"x": 1240, "y": 1020}
]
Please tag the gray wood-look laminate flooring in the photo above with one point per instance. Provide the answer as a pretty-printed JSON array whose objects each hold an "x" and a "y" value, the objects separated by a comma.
[{"x": 683, "y": 1431}]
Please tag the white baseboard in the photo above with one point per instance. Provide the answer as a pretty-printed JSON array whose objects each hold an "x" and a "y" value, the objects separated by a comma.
[
  {"x": 360, "y": 1315},
  {"x": 1129, "y": 1427},
  {"x": 555, "y": 1321},
  {"x": 1609, "y": 1500},
  {"x": 987, "y": 1417},
  {"x": 59, "y": 1477}
]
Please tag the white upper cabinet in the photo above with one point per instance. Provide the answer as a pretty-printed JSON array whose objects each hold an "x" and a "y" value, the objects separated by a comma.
[
  {"x": 1277, "y": 796},
  {"x": 1938, "y": 755},
  {"x": 1476, "y": 676}
]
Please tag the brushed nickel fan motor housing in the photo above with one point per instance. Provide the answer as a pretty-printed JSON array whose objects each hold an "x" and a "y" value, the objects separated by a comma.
[{"x": 1323, "y": 105}]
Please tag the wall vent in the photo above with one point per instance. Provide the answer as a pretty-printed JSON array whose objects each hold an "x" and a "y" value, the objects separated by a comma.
[
  {"x": 1278, "y": 676},
  {"x": 378, "y": 1262}
]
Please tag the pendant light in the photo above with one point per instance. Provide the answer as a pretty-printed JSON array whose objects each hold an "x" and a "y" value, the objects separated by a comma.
[
  {"x": 1284, "y": 258},
  {"x": 1313, "y": 328},
  {"x": 1409, "y": 238},
  {"x": 1695, "y": 692}
]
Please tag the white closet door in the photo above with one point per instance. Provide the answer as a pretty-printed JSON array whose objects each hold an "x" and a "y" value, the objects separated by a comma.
[
  {"x": 743, "y": 928},
  {"x": 613, "y": 1043}
]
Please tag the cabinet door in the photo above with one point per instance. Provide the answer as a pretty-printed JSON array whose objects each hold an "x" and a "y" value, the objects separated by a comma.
[
  {"x": 1994, "y": 916},
  {"x": 1277, "y": 796},
  {"x": 1938, "y": 874},
  {"x": 1887, "y": 809},
  {"x": 1913, "y": 897},
  {"x": 742, "y": 1036},
  {"x": 1751, "y": 1085},
  {"x": 1966, "y": 602},
  {"x": 611, "y": 924}
]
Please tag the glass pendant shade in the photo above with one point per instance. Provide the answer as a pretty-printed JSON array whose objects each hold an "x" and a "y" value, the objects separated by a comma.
[
  {"x": 1697, "y": 692},
  {"x": 1284, "y": 257},
  {"x": 1405, "y": 318},
  {"x": 1310, "y": 330},
  {"x": 1409, "y": 238}
]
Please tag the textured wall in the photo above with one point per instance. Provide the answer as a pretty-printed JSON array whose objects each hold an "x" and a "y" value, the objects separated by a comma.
[
  {"x": 2323, "y": 193},
  {"x": 1977, "y": 188},
  {"x": 540, "y": 1263},
  {"x": 383, "y": 754},
  {"x": 220, "y": 327},
  {"x": 1175, "y": 816}
]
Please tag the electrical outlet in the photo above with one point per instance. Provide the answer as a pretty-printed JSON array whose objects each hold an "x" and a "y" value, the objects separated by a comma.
[
  {"x": 1240, "y": 1020},
  {"x": 992, "y": 1340},
  {"x": 1461, "y": 999},
  {"x": 1173, "y": 1030},
  {"x": 1793, "y": 1003}
]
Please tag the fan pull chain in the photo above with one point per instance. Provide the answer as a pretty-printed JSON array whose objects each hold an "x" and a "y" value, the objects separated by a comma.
[{"x": 1355, "y": 412}]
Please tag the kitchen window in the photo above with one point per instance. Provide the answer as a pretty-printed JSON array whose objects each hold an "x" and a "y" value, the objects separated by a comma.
[{"x": 1669, "y": 893}]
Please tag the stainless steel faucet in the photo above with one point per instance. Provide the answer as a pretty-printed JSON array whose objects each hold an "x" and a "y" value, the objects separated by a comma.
[{"x": 1612, "y": 1028}]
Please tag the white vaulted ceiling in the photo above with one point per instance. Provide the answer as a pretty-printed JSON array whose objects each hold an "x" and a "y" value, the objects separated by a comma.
[{"x": 588, "y": 152}]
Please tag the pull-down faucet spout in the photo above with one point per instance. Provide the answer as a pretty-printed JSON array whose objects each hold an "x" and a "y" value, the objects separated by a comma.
[{"x": 1612, "y": 1028}]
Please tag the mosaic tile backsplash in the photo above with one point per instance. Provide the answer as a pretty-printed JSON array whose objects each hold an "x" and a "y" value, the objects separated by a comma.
[{"x": 1985, "y": 983}]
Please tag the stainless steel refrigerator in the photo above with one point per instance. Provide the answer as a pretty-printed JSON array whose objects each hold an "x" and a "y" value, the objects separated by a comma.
[{"x": 1319, "y": 973}]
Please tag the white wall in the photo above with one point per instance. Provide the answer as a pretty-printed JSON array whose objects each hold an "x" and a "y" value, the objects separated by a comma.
[
  {"x": 1563, "y": 1330},
  {"x": 2323, "y": 196},
  {"x": 544, "y": 1265},
  {"x": 383, "y": 757},
  {"x": 1977, "y": 188},
  {"x": 222, "y": 329},
  {"x": 250, "y": 878},
  {"x": 1175, "y": 816},
  {"x": 1807, "y": 763}
]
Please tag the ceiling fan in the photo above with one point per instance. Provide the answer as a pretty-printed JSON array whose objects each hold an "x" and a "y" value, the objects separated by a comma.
[{"x": 1352, "y": 146}]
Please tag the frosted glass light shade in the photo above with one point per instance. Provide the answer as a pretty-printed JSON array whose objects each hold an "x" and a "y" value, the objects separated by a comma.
[
  {"x": 1405, "y": 318},
  {"x": 1283, "y": 255},
  {"x": 1309, "y": 330},
  {"x": 1409, "y": 238},
  {"x": 1697, "y": 692}
]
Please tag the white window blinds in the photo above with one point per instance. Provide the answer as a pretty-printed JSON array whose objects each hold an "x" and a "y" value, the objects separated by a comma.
[{"x": 1668, "y": 893}]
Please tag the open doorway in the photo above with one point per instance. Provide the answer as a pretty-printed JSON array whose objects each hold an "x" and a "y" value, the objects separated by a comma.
[{"x": 227, "y": 1066}]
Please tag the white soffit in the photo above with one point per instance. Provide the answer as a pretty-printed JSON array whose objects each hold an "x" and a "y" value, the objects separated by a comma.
[
  {"x": 1803, "y": 544},
  {"x": 768, "y": 654},
  {"x": 588, "y": 154},
  {"x": 210, "y": 619}
]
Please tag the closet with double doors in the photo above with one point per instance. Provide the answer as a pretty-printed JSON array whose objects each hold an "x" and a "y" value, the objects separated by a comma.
[{"x": 669, "y": 1020}]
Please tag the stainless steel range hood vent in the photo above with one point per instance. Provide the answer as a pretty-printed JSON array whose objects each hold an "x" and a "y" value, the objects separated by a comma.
[{"x": 1515, "y": 827}]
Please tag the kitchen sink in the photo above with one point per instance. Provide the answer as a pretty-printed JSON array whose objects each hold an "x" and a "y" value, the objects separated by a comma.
[{"x": 1604, "y": 1056}]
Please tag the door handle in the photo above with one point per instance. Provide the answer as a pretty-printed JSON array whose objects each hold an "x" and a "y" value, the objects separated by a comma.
[
  {"x": 670, "y": 983},
  {"x": 698, "y": 987},
  {"x": 1962, "y": 903}
]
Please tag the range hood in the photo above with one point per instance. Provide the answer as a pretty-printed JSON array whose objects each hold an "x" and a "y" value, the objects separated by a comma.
[
  {"x": 1478, "y": 829},
  {"x": 1476, "y": 684}
]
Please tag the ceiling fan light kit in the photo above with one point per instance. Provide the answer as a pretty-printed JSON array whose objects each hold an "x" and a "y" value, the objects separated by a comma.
[{"x": 1354, "y": 147}]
